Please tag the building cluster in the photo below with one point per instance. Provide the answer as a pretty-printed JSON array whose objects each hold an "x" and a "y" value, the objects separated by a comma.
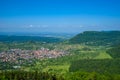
[{"x": 13, "y": 55}]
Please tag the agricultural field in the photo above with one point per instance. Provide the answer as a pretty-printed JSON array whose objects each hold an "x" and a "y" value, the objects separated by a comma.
[{"x": 61, "y": 60}]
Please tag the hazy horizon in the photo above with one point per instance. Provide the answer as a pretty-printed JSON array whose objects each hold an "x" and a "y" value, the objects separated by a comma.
[{"x": 59, "y": 16}]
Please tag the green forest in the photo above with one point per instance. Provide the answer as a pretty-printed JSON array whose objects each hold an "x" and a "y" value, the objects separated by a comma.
[{"x": 91, "y": 55}]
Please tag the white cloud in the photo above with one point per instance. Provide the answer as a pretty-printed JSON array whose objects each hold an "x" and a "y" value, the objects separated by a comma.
[
  {"x": 37, "y": 26},
  {"x": 81, "y": 26},
  {"x": 30, "y": 26}
]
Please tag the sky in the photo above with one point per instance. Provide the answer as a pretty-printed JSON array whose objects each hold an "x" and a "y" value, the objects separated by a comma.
[{"x": 68, "y": 16}]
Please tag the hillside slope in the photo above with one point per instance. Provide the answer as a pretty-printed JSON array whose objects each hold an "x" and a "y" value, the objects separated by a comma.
[{"x": 97, "y": 38}]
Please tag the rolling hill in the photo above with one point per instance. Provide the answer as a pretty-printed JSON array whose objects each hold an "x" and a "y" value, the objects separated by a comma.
[{"x": 97, "y": 38}]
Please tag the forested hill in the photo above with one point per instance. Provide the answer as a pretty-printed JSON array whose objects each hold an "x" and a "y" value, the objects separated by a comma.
[{"x": 97, "y": 38}]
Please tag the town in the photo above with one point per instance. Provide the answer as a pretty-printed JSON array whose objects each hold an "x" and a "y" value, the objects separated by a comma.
[{"x": 13, "y": 55}]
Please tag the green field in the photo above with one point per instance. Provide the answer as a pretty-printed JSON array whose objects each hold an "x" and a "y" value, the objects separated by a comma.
[{"x": 85, "y": 60}]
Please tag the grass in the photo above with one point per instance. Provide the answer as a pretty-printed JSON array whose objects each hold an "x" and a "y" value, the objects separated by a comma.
[{"x": 103, "y": 55}]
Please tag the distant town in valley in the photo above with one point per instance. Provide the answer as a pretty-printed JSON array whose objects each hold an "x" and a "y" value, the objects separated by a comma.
[{"x": 59, "y": 39}]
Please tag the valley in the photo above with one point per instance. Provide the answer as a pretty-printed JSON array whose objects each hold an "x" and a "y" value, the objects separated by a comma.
[{"x": 94, "y": 55}]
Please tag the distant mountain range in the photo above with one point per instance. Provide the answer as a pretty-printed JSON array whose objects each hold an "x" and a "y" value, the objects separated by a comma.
[
  {"x": 41, "y": 34},
  {"x": 47, "y": 37},
  {"x": 97, "y": 38},
  {"x": 87, "y": 37}
]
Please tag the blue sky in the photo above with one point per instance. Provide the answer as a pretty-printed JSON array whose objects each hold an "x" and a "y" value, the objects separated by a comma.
[{"x": 59, "y": 15}]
